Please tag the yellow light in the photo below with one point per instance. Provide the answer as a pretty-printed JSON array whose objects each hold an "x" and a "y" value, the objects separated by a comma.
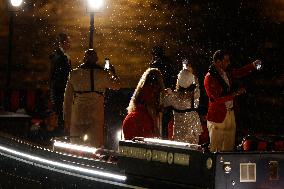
[
  {"x": 118, "y": 135},
  {"x": 85, "y": 138},
  {"x": 76, "y": 147},
  {"x": 170, "y": 142},
  {"x": 16, "y": 3},
  {"x": 95, "y": 4}
]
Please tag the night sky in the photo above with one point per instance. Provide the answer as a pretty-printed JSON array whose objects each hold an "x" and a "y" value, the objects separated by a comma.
[{"x": 126, "y": 30}]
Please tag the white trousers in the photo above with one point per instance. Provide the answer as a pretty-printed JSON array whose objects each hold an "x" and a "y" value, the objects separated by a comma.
[{"x": 222, "y": 135}]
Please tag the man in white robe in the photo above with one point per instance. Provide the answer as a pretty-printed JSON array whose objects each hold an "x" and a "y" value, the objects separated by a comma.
[{"x": 84, "y": 100}]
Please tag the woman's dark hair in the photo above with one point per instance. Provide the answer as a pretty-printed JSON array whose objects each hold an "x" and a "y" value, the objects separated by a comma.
[
  {"x": 152, "y": 79},
  {"x": 219, "y": 55}
]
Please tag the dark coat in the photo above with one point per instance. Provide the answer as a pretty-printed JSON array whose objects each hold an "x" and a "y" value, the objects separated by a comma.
[
  {"x": 59, "y": 71},
  {"x": 167, "y": 69}
]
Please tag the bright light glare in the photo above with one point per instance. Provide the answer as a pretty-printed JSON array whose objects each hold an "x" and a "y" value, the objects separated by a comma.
[
  {"x": 74, "y": 147},
  {"x": 63, "y": 165},
  {"x": 95, "y": 4},
  {"x": 85, "y": 138},
  {"x": 118, "y": 135},
  {"x": 16, "y": 3},
  {"x": 170, "y": 142}
]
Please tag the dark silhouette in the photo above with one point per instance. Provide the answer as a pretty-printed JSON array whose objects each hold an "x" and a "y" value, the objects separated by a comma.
[
  {"x": 165, "y": 65},
  {"x": 60, "y": 68},
  {"x": 167, "y": 69}
]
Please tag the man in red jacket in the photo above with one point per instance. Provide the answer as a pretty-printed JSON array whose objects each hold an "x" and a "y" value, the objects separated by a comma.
[{"x": 220, "y": 116}]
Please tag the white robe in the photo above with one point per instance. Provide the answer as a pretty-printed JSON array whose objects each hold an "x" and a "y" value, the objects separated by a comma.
[{"x": 83, "y": 110}]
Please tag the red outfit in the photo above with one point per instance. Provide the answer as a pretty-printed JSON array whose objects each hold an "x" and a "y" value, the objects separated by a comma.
[
  {"x": 171, "y": 130},
  {"x": 216, "y": 107},
  {"x": 138, "y": 124},
  {"x": 141, "y": 121}
]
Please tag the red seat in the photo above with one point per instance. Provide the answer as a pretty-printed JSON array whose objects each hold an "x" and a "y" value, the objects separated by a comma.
[
  {"x": 15, "y": 100},
  {"x": 263, "y": 143},
  {"x": 31, "y": 100},
  {"x": 262, "y": 146},
  {"x": 279, "y": 145},
  {"x": 247, "y": 144}
]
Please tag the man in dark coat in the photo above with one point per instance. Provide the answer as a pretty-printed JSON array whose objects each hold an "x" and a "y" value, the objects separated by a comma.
[
  {"x": 59, "y": 71},
  {"x": 168, "y": 71},
  {"x": 165, "y": 65}
]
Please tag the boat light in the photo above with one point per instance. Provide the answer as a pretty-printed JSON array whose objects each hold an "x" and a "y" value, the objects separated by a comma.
[
  {"x": 76, "y": 147},
  {"x": 62, "y": 165}
]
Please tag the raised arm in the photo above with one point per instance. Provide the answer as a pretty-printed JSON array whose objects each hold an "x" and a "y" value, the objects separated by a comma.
[{"x": 245, "y": 70}]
